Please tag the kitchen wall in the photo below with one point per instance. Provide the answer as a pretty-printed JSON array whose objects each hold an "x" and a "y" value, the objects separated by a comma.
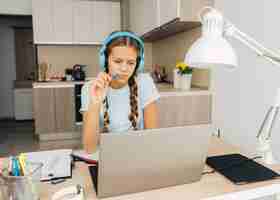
[
  {"x": 61, "y": 57},
  {"x": 169, "y": 51},
  {"x": 15, "y": 7},
  {"x": 242, "y": 96},
  {"x": 8, "y": 62}
]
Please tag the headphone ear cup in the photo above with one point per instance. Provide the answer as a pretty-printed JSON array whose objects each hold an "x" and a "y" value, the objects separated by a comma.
[
  {"x": 102, "y": 61},
  {"x": 140, "y": 64},
  {"x": 106, "y": 65}
]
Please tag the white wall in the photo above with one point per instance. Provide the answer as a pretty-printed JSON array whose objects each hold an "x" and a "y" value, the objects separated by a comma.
[
  {"x": 243, "y": 96},
  {"x": 15, "y": 7},
  {"x": 8, "y": 62}
]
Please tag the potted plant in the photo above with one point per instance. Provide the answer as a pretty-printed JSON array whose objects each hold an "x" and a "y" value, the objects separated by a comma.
[{"x": 183, "y": 76}]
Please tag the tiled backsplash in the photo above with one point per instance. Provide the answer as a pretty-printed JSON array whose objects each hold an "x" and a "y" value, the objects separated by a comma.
[
  {"x": 61, "y": 57},
  {"x": 164, "y": 52}
]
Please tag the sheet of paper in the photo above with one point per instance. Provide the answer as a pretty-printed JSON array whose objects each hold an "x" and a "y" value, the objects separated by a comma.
[{"x": 56, "y": 163}]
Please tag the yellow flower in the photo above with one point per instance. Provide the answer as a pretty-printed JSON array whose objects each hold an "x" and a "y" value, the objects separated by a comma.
[{"x": 181, "y": 66}]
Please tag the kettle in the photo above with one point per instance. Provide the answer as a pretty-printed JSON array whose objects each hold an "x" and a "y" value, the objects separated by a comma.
[{"x": 78, "y": 73}]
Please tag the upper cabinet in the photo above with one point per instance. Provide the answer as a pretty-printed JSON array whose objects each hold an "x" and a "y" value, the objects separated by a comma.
[
  {"x": 168, "y": 11},
  {"x": 42, "y": 21},
  {"x": 107, "y": 18},
  {"x": 157, "y": 19},
  {"x": 62, "y": 12},
  {"x": 83, "y": 22},
  {"x": 74, "y": 21},
  {"x": 142, "y": 15}
]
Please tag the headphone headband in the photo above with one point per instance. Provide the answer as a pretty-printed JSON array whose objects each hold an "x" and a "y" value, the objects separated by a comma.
[{"x": 111, "y": 37}]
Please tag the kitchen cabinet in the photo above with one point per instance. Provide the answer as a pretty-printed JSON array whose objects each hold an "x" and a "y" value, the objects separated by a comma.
[
  {"x": 157, "y": 19},
  {"x": 23, "y": 103},
  {"x": 52, "y": 21},
  {"x": 62, "y": 21},
  {"x": 184, "y": 109},
  {"x": 168, "y": 11},
  {"x": 143, "y": 15},
  {"x": 44, "y": 110},
  {"x": 83, "y": 22},
  {"x": 74, "y": 21},
  {"x": 42, "y": 21},
  {"x": 54, "y": 110},
  {"x": 64, "y": 109},
  {"x": 94, "y": 20},
  {"x": 106, "y": 19}
]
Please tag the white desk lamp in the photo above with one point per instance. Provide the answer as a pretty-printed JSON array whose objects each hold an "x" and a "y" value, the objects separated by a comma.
[{"x": 212, "y": 49}]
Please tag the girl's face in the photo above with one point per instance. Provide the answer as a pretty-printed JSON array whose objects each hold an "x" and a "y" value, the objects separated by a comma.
[{"x": 122, "y": 61}]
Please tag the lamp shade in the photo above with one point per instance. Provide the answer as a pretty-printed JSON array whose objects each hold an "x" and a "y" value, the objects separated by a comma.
[{"x": 211, "y": 51}]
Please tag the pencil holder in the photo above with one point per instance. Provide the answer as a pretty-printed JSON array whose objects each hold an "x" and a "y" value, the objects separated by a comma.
[{"x": 21, "y": 187}]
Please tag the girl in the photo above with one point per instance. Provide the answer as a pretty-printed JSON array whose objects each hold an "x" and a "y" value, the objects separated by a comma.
[{"x": 121, "y": 97}]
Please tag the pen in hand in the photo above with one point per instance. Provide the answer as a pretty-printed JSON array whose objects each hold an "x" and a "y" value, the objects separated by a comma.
[{"x": 115, "y": 76}]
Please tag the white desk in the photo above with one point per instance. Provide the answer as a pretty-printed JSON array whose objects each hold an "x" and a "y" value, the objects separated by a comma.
[{"x": 210, "y": 184}]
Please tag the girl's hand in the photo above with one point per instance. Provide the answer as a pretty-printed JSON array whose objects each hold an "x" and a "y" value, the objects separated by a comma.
[{"x": 99, "y": 87}]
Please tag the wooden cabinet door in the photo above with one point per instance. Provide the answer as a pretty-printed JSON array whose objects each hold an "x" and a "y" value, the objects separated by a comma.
[
  {"x": 64, "y": 109},
  {"x": 83, "y": 21},
  {"x": 106, "y": 16},
  {"x": 144, "y": 15},
  {"x": 63, "y": 21},
  {"x": 151, "y": 15},
  {"x": 44, "y": 110},
  {"x": 184, "y": 110},
  {"x": 168, "y": 11},
  {"x": 135, "y": 16},
  {"x": 42, "y": 21}
]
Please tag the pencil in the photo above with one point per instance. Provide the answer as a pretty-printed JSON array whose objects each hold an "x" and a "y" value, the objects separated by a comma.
[{"x": 21, "y": 159}]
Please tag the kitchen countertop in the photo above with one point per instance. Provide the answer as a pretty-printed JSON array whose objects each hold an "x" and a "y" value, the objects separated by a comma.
[
  {"x": 164, "y": 88},
  {"x": 56, "y": 84}
]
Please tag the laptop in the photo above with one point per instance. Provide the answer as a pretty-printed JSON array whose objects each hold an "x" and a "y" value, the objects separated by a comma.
[{"x": 136, "y": 161}]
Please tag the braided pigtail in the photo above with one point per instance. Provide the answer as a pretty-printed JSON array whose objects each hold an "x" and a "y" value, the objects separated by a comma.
[
  {"x": 133, "y": 116},
  {"x": 106, "y": 116},
  {"x": 106, "y": 108}
]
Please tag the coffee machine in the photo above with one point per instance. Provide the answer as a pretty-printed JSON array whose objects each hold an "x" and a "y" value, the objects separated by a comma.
[{"x": 78, "y": 73}]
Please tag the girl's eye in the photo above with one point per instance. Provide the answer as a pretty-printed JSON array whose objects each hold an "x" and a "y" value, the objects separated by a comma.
[
  {"x": 131, "y": 63},
  {"x": 118, "y": 61}
]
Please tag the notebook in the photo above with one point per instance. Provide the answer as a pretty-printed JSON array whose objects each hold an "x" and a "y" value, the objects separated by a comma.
[
  {"x": 240, "y": 169},
  {"x": 56, "y": 163}
]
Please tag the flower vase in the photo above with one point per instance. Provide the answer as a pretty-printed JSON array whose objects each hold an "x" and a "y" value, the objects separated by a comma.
[{"x": 185, "y": 81}]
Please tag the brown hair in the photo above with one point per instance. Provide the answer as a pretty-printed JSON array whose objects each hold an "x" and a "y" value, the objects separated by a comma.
[{"x": 133, "y": 88}]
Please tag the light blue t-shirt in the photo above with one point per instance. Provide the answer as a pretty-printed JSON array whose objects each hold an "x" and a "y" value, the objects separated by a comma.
[{"x": 119, "y": 103}]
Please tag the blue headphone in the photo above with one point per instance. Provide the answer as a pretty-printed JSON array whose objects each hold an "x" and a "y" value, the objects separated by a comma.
[{"x": 102, "y": 56}]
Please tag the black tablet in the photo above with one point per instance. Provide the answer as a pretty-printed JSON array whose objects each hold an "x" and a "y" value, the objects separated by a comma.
[{"x": 240, "y": 169}]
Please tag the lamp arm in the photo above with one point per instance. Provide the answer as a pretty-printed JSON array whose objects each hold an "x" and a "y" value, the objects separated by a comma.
[{"x": 259, "y": 49}]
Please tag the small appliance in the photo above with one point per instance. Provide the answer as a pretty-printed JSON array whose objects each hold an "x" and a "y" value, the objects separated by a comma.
[{"x": 78, "y": 73}]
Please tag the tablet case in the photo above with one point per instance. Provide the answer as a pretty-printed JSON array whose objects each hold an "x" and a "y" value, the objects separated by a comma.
[{"x": 240, "y": 169}]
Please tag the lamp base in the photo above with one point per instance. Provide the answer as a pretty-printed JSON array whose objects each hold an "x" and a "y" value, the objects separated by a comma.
[{"x": 264, "y": 150}]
